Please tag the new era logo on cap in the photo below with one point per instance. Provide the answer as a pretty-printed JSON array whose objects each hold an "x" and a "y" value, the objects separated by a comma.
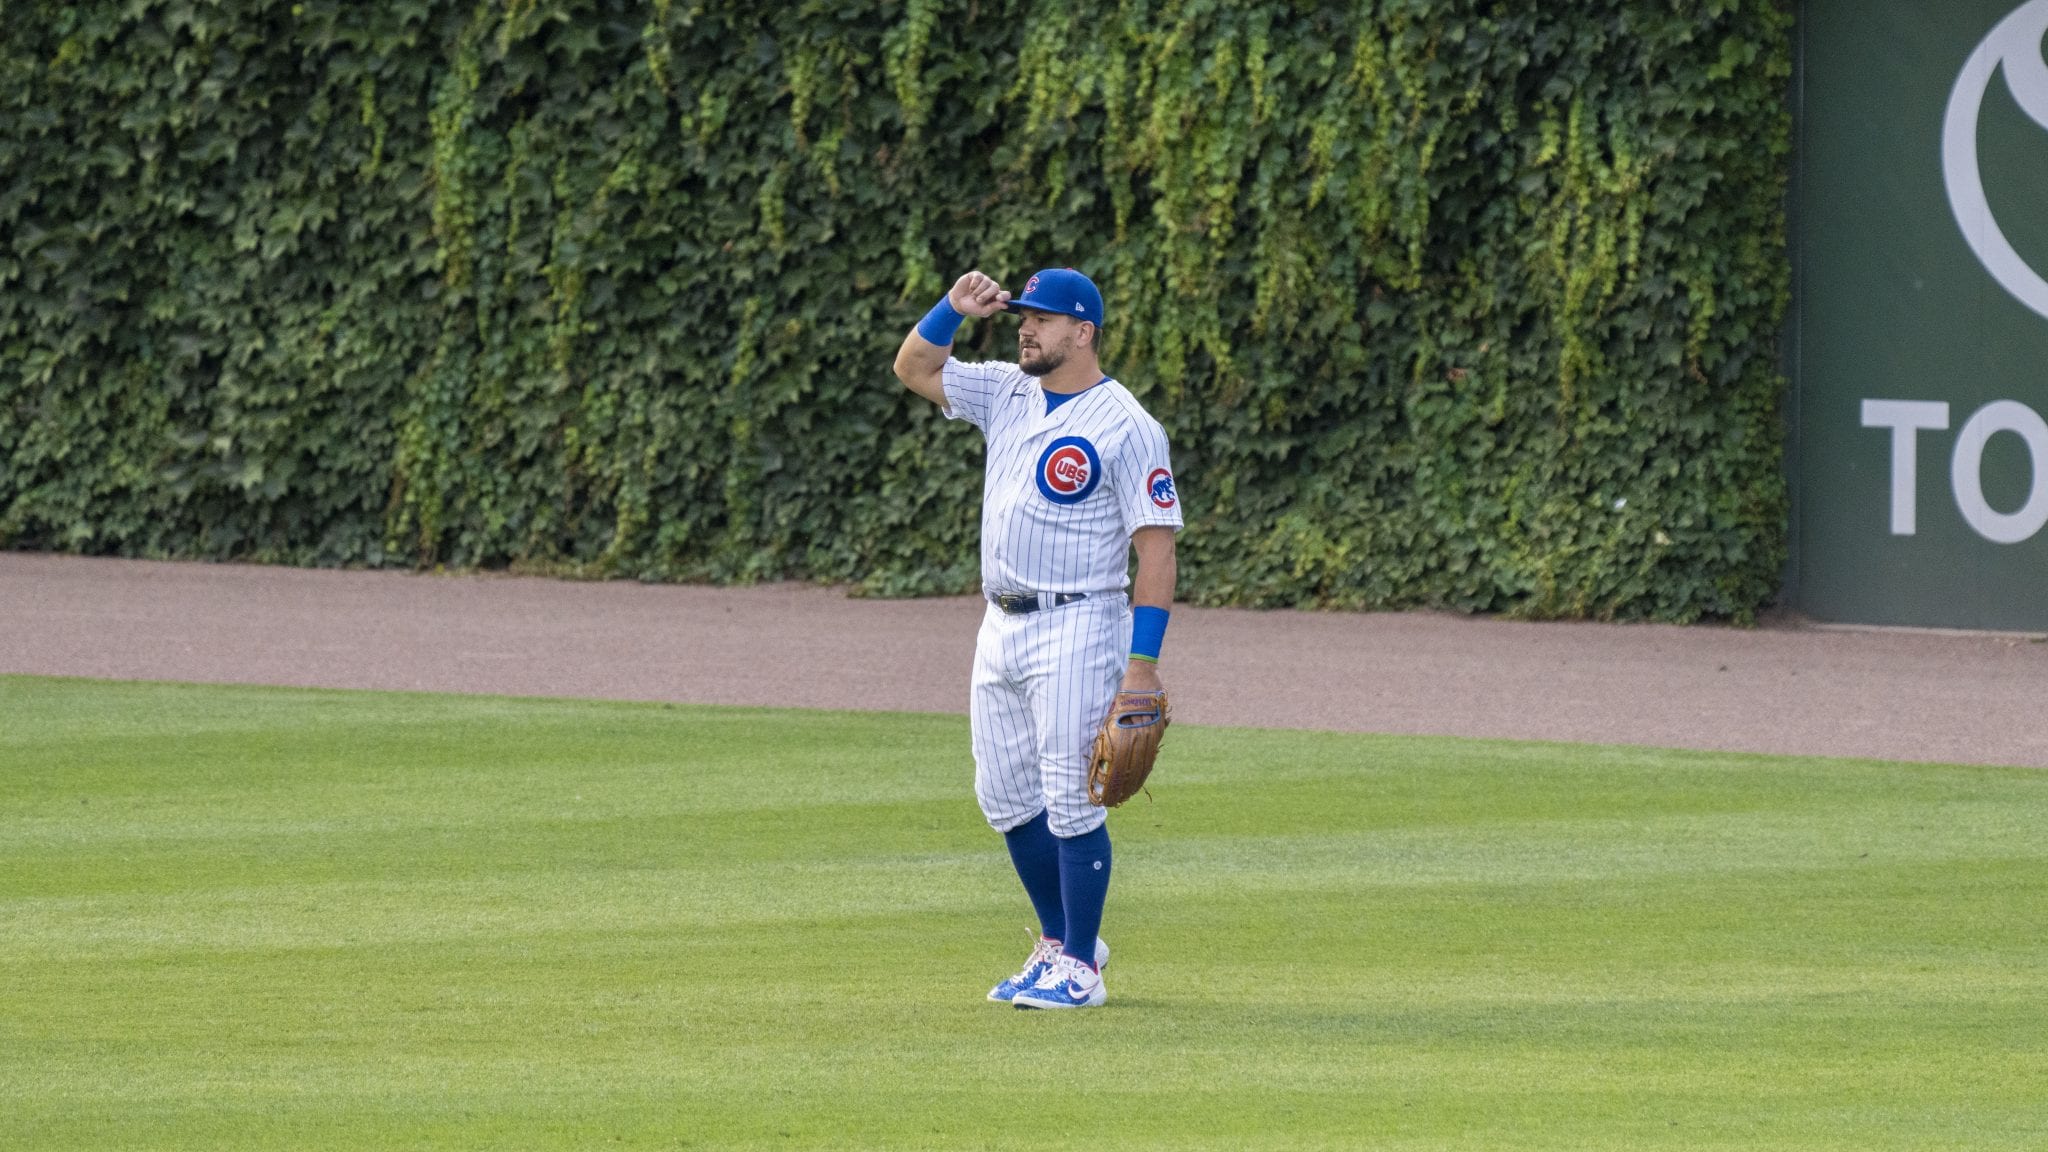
[{"x": 1061, "y": 290}]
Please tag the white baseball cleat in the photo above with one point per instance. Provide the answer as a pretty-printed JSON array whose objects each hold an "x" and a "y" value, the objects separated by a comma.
[
  {"x": 1044, "y": 958},
  {"x": 1070, "y": 984}
]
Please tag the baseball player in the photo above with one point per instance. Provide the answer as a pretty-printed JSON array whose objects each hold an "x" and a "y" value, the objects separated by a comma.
[{"x": 1077, "y": 477}]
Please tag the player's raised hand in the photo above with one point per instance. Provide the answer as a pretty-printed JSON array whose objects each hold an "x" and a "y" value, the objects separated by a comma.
[{"x": 977, "y": 295}]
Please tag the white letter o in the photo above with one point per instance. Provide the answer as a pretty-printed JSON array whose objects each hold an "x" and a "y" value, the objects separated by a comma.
[{"x": 1966, "y": 471}]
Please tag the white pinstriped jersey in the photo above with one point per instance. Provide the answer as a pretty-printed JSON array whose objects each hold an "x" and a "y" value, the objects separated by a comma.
[{"x": 1064, "y": 490}]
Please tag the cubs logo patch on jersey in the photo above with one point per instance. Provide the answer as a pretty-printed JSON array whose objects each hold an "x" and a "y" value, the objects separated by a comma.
[
  {"x": 1159, "y": 486},
  {"x": 1068, "y": 470}
]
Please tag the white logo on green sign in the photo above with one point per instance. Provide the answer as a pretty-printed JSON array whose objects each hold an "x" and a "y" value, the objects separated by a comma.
[
  {"x": 2016, "y": 44},
  {"x": 2013, "y": 47}
]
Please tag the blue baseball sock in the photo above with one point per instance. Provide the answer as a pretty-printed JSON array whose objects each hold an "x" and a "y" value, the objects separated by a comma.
[
  {"x": 1036, "y": 853},
  {"x": 1084, "y": 885}
]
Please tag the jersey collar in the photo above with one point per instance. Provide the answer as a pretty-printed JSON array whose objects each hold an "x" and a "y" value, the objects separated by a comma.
[{"x": 1057, "y": 416}]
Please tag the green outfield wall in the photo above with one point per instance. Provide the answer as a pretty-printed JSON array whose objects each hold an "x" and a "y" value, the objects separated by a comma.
[
  {"x": 1466, "y": 304},
  {"x": 1921, "y": 314}
]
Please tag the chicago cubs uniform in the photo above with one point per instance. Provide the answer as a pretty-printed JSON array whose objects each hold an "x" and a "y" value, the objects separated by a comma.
[
  {"x": 1064, "y": 491},
  {"x": 1078, "y": 476}
]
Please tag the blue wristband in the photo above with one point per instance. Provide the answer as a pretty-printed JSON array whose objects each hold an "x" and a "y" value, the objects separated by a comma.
[
  {"x": 940, "y": 323},
  {"x": 1148, "y": 632}
]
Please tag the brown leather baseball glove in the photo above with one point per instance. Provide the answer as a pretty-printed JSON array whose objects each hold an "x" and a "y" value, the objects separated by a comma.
[{"x": 1126, "y": 745}]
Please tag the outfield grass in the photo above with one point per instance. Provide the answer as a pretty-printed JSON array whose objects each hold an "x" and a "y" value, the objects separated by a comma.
[{"x": 265, "y": 919}]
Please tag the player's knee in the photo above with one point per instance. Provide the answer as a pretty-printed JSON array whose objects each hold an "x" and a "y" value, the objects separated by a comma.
[
  {"x": 1068, "y": 820},
  {"x": 1003, "y": 814}
]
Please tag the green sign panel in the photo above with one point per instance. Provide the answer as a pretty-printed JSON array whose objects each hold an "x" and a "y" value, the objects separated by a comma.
[{"x": 1920, "y": 420}]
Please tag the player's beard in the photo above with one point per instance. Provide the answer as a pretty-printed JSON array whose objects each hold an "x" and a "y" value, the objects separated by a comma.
[{"x": 1043, "y": 362}]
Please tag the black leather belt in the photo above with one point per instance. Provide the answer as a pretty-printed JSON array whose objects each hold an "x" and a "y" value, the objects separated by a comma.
[{"x": 1018, "y": 603}]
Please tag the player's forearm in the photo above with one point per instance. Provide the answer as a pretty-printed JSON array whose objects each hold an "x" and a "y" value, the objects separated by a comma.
[
  {"x": 1152, "y": 584},
  {"x": 1151, "y": 600}
]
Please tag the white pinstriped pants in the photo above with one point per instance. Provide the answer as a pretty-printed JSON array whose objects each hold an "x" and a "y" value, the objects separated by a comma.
[{"x": 1043, "y": 681}]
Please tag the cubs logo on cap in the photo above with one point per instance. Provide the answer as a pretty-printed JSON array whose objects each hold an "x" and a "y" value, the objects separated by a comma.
[
  {"x": 1159, "y": 486},
  {"x": 1068, "y": 470},
  {"x": 1064, "y": 291}
]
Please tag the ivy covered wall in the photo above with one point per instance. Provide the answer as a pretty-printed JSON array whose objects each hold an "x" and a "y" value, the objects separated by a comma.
[{"x": 1464, "y": 303}]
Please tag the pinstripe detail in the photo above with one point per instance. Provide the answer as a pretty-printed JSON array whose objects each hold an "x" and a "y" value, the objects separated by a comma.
[
  {"x": 1043, "y": 680},
  {"x": 1029, "y": 543},
  {"x": 1042, "y": 683}
]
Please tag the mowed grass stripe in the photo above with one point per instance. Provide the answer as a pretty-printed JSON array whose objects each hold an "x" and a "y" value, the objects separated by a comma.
[{"x": 255, "y": 918}]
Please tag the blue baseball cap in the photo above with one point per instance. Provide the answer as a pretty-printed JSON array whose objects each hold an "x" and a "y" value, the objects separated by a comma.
[{"x": 1064, "y": 291}]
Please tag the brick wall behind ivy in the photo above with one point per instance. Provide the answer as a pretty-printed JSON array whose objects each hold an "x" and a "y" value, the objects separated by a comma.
[{"x": 1463, "y": 303}]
